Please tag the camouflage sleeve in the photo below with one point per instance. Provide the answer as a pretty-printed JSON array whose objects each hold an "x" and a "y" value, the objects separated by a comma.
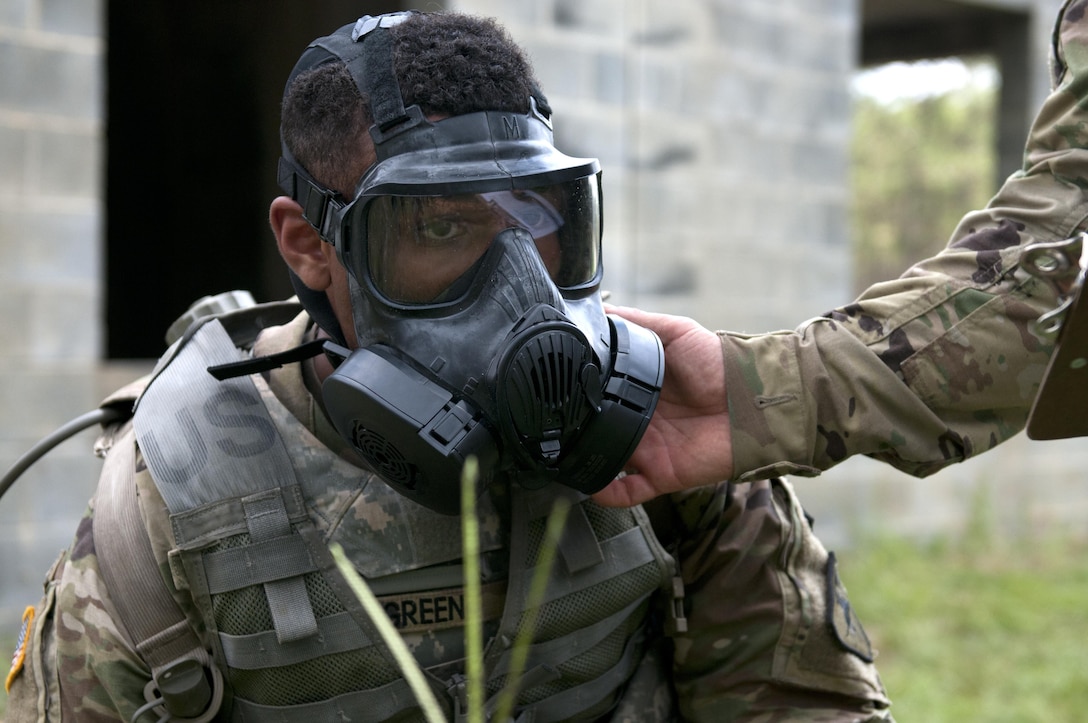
[
  {"x": 942, "y": 363},
  {"x": 771, "y": 634},
  {"x": 79, "y": 664}
]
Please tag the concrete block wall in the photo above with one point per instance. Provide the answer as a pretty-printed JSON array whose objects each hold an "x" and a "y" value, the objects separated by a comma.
[{"x": 51, "y": 151}]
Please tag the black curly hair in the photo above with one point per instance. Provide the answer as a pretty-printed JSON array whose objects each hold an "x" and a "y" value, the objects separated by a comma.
[{"x": 447, "y": 63}]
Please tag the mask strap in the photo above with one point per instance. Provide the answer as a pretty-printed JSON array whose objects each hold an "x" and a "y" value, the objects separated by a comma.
[
  {"x": 260, "y": 364},
  {"x": 318, "y": 307},
  {"x": 373, "y": 73},
  {"x": 366, "y": 50},
  {"x": 377, "y": 80}
]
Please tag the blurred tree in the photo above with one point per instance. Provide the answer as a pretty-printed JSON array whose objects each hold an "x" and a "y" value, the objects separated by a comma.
[{"x": 918, "y": 164}]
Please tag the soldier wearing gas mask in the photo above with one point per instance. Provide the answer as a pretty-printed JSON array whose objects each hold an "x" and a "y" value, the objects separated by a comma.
[
  {"x": 447, "y": 261},
  {"x": 463, "y": 226}
]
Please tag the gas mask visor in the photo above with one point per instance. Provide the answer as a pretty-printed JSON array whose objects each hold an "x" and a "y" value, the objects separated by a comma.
[
  {"x": 423, "y": 217},
  {"x": 422, "y": 250}
]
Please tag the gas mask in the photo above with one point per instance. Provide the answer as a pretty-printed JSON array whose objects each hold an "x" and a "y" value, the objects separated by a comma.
[{"x": 473, "y": 253}]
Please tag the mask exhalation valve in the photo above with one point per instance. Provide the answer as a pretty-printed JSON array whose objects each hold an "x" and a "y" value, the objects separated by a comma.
[
  {"x": 564, "y": 420},
  {"x": 549, "y": 385}
]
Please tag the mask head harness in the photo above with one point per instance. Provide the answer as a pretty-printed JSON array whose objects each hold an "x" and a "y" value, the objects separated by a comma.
[{"x": 473, "y": 254}]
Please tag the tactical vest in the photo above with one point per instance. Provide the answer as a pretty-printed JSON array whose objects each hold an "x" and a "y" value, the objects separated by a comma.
[{"x": 255, "y": 501}]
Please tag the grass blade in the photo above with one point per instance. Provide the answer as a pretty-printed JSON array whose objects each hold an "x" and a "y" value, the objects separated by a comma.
[
  {"x": 408, "y": 666},
  {"x": 470, "y": 549},
  {"x": 557, "y": 519}
]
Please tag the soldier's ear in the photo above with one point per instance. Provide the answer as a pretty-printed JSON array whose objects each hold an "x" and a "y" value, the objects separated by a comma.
[{"x": 300, "y": 245}]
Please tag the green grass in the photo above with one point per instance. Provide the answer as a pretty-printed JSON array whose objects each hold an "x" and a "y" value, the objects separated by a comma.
[{"x": 981, "y": 630}]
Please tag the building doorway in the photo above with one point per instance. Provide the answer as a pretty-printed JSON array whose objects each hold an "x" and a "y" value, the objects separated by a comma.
[{"x": 192, "y": 145}]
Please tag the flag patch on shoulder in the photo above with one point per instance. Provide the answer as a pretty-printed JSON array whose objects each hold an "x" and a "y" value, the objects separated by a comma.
[{"x": 21, "y": 644}]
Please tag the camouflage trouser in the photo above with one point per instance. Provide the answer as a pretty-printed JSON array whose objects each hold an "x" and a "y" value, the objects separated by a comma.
[{"x": 773, "y": 635}]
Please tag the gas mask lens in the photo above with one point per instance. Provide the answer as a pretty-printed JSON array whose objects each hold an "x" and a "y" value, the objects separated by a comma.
[{"x": 422, "y": 249}]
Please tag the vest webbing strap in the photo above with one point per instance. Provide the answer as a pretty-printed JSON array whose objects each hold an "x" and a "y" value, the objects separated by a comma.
[
  {"x": 262, "y": 562},
  {"x": 339, "y": 633},
  {"x": 336, "y": 634},
  {"x": 378, "y": 704},
  {"x": 565, "y": 705},
  {"x": 578, "y": 547},
  {"x": 148, "y": 612},
  {"x": 232, "y": 449},
  {"x": 292, "y": 614},
  {"x": 201, "y": 437},
  {"x": 555, "y": 652},
  {"x": 198, "y": 528},
  {"x": 622, "y": 553}
]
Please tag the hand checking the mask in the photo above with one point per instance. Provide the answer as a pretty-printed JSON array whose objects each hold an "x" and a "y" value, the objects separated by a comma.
[{"x": 688, "y": 441}]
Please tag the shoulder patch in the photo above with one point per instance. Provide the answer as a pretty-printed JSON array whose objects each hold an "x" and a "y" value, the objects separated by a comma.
[
  {"x": 21, "y": 644},
  {"x": 842, "y": 618}
]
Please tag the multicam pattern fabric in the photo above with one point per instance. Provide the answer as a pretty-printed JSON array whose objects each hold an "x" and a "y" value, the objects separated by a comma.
[
  {"x": 76, "y": 639},
  {"x": 942, "y": 363}
]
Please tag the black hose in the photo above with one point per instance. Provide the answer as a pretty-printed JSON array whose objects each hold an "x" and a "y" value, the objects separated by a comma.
[{"x": 97, "y": 416}]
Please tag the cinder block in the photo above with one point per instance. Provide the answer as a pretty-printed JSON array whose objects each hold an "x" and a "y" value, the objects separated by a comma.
[
  {"x": 611, "y": 78},
  {"x": 726, "y": 92},
  {"x": 822, "y": 45},
  {"x": 597, "y": 18},
  {"x": 816, "y": 161},
  {"x": 23, "y": 567},
  {"x": 14, "y": 335},
  {"x": 511, "y": 13},
  {"x": 846, "y": 11},
  {"x": 829, "y": 109},
  {"x": 69, "y": 164},
  {"x": 52, "y": 328},
  {"x": 68, "y": 326},
  {"x": 40, "y": 246},
  {"x": 43, "y": 506},
  {"x": 35, "y": 402},
  {"x": 74, "y": 17},
  {"x": 727, "y": 24},
  {"x": 38, "y": 80},
  {"x": 27, "y": 551},
  {"x": 564, "y": 69},
  {"x": 14, "y": 13},
  {"x": 55, "y": 488},
  {"x": 13, "y": 160},
  {"x": 587, "y": 134},
  {"x": 659, "y": 83}
]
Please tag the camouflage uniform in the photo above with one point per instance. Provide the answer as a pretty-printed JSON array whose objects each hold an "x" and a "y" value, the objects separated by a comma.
[
  {"x": 942, "y": 363},
  {"x": 771, "y": 634}
]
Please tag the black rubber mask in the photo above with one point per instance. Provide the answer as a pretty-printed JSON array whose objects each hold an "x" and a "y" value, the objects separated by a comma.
[{"x": 473, "y": 252}]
